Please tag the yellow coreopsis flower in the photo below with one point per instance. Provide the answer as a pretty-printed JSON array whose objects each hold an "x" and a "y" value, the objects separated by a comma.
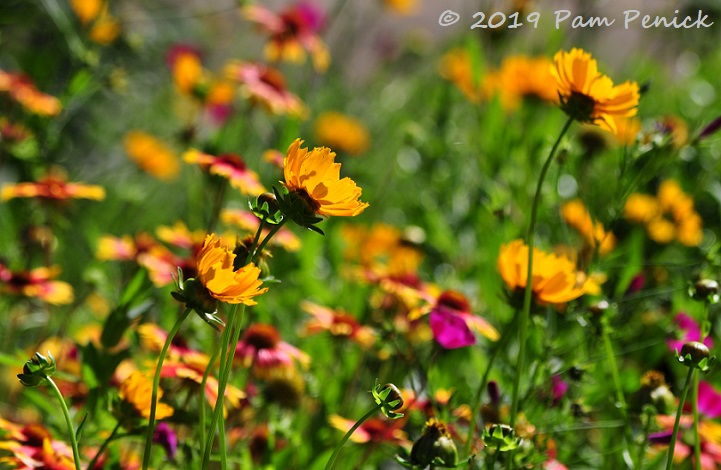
[
  {"x": 590, "y": 96},
  {"x": 315, "y": 177},
  {"x": 216, "y": 273},
  {"x": 151, "y": 155},
  {"x": 554, "y": 280},
  {"x": 137, "y": 391},
  {"x": 342, "y": 132},
  {"x": 576, "y": 215}
]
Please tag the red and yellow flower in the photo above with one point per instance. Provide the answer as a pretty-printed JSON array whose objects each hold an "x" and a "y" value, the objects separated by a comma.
[
  {"x": 229, "y": 166},
  {"x": 54, "y": 187}
]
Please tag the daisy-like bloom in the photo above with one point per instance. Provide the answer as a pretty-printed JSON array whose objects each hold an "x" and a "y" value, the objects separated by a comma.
[
  {"x": 338, "y": 322},
  {"x": 315, "y": 177},
  {"x": 151, "y": 155},
  {"x": 520, "y": 76},
  {"x": 136, "y": 390},
  {"x": 38, "y": 282},
  {"x": 668, "y": 216},
  {"x": 274, "y": 157},
  {"x": 627, "y": 130},
  {"x": 261, "y": 348},
  {"x": 247, "y": 221},
  {"x": 229, "y": 166},
  {"x": 32, "y": 446},
  {"x": 21, "y": 89},
  {"x": 589, "y": 96},
  {"x": 554, "y": 280},
  {"x": 186, "y": 364},
  {"x": 186, "y": 68},
  {"x": 457, "y": 67},
  {"x": 341, "y": 132},
  {"x": 265, "y": 86},
  {"x": 382, "y": 248},
  {"x": 576, "y": 215},
  {"x": 401, "y": 7},
  {"x": 292, "y": 32},
  {"x": 373, "y": 430},
  {"x": 216, "y": 273},
  {"x": 53, "y": 187},
  {"x": 106, "y": 29},
  {"x": 451, "y": 321}
]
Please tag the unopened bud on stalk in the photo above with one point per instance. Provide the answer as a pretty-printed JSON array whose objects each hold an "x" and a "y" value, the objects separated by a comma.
[
  {"x": 37, "y": 369},
  {"x": 705, "y": 290},
  {"x": 695, "y": 354}
]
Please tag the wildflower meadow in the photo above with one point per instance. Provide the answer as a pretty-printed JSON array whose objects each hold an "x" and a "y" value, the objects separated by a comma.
[{"x": 315, "y": 234}]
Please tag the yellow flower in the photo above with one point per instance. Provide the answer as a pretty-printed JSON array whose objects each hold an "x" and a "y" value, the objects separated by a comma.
[
  {"x": 554, "y": 281},
  {"x": 457, "y": 67},
  {"x": 151, "y": 155},
  {"x": 215, "y": 271},
  {"x": 342, "y": 132},
  {"x": 627, "y": 130},
  {"x": 576, "y": 215},
  {"x": 521, "y": 76},
  {"x": 589, "y": 96},
  {"x": 105, "y": 30},
  {"x": 315, "y": 177},
  {"x": 137, "y": 391},
  {"x": 86, "y": 10},
  {"x": 681, "y": 222}
]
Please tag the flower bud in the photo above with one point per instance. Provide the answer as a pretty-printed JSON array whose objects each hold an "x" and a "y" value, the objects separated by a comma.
[
  {"x": 267, "y": 209},
  {"x": 434, "y": 445},
  {"x": 705, "y": 290},
  {"x": 37, "y": 369},
  {"x": 695, "y": 354},
  {"x": 501, "y": 437},
  {"x": 390, "y": 397}
]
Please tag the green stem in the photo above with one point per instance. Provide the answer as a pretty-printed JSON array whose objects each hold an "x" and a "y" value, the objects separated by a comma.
[
  {"x": 68, "y": 421},
  {"x": 219, "y": 196},
  {"x": 620, "y": 398},
  {"x": 672, "y": 446},
  {"x": 342, "y": 442},
  {"x": 694, "y": 406},
  {"x": 526, "y": 313},
  {"x": 213, "y": 358},
  {"x": 112, "y": 436},
  {"x": 156, "y": 384},
  {"x": 475, "y": 410},
  {"x": 267, "y": 238},
  {"x": 234, "y": 323}
]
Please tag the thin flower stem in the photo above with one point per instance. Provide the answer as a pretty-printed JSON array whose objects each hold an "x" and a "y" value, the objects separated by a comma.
[
  {"x": 219, "y": 196},
  {"x": 672, "y": 446},
  {"x": 156, "y": 383},
  {"x": 68, "y": 421},
  {"x": 350, "y": 432},
  {"x": 500, "y": 345},
  {"x": 267, "y": 238},
  {"x": 203, "y": 382},
  {"x": 234, "y": 323},
  {"x": 620, "y": 398},
  {"x": 696, "y": 381},
  {"x": 694, "y": 406},
  {"x": 526, "y": 312},
  {"x": 112, "y": 436}
]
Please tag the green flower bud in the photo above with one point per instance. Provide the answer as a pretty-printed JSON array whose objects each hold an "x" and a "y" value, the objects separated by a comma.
[
  {"x": 266, "y": 208},
  {"x": 37, "y": 369},
  {"x": 705, "y": 290},
  {"x": 501, "y": 437},
  {"x": 695, "y": 354},
  {"x": 194, "y": 295},
  {"x": 390, "y": 397},
  {"x": 435, "y": 446}
]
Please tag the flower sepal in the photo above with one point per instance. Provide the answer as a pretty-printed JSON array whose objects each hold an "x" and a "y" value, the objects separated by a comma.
[
  {"x": 194, "y": 295},
  {"x": 267, "y": 209},
  {"x": 297, "y": 208},
  {"x": 390, "y": 397},
  {"x": 37, "y": 369},
  {"x": 501, "y": 437}
]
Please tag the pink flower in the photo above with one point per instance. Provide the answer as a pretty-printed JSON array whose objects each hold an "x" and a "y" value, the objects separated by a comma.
[
  {"x": 691, "y": 332},
  {"x": 450, "y": 330}
]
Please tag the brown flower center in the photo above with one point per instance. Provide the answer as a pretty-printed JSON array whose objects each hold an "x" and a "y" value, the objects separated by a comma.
[{"x": 261, "y": 336}]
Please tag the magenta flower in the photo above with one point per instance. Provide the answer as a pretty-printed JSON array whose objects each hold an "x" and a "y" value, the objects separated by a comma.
[
  {"x": 559, "y": 387},
  {"x": 450, "y": 330},
  {"x": 690, "y": 332},
  {"x": 709, "y": 400},
  {"x": 166, "y": 437}
]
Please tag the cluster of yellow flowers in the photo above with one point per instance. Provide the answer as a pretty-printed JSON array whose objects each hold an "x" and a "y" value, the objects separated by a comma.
[{"x": 668, "y": 216}]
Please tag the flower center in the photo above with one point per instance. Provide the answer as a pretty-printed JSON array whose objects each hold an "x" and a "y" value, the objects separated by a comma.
[
  {"x": 579, "y": 106},
  {"x": 261, "y": 336}
]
